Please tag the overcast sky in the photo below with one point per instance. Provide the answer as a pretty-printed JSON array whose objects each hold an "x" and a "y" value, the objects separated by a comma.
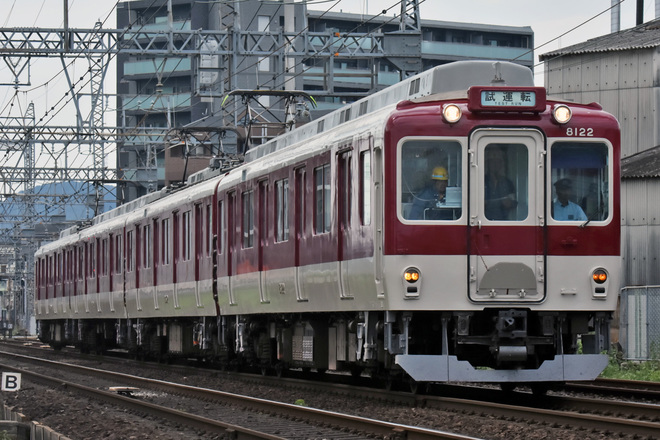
[{"x": 548, "y": 19}]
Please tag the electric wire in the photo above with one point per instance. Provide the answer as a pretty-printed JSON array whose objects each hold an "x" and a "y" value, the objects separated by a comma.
[
  {"x": 568, "y": 31},
  {"x": 335, "y": 3}
]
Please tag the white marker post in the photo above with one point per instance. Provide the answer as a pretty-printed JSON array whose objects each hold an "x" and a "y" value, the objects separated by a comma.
[{"x": 11, "y": 381}]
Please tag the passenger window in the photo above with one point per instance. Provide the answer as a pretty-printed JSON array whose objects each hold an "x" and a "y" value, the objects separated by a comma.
[
  {"x": 118, "y": 255},
  {"x": 579, "y": 181},
  {"x": 506, "y": 187},
  {"x": 186, "y": 236},
  {"x": 282, "y": 210},
  {"x": 165, "y": 246},
  {"x": 430, "y": 179},
  {"x": 365, "y": 187},
  {"x": 322, "y": 201},
  {"x": 248, "y": 219},
  {"x": 147, "y": 247},
  {"x": 130, "y": 254}
]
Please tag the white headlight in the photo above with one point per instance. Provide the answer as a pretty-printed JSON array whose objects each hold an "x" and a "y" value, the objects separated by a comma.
[
  {"x": 562, "y": 113},
  {"x": 452, "y": 113}
]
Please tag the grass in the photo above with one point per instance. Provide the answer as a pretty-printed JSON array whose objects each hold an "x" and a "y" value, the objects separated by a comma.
[{"x": 619, "y": 368}]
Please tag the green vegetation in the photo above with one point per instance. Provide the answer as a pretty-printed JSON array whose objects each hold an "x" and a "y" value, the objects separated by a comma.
[{"x": 619, "y": 368}]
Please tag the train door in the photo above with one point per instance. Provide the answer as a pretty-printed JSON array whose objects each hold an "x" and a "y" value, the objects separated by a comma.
[
  {"x": 262, "y": 238},
  {"x": 344, "y": 192},
  {"x": 110, "y": 259},
  {"x": 231, "y": 240},
  {"x": 138, "y": 247},
  {"x": 506, "y": 252},
  {"x": 199, "y": 239},
  {"x": 300, "y": 208},
  {"x": 155, "y": 253},
  {"x": 176, "y": 240}
]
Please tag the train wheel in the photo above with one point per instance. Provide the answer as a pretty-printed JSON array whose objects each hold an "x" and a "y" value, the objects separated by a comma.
[
  {"x": 539, "y": 388},
  {"x": 416, "y": 387},
  {"x": 507, "y": 387},
  {"x": 280, "y": 368},
  {"x": 389, "y": 383},
  {"x": 356, "y": 371}
]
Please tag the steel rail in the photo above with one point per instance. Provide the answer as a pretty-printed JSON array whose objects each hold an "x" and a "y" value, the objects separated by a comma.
[
  {"x": 630, "y": 388},
  {"x": 172, "y": 415},
  {"x": 330, "y": 418},
  {"x": 607, "y": 423}
]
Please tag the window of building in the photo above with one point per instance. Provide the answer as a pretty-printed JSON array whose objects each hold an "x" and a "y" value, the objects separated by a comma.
[{"x": 263, "y": 23}]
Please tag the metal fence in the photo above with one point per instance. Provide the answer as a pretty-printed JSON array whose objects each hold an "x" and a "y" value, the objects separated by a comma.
[{"x": 639, "y": 333}]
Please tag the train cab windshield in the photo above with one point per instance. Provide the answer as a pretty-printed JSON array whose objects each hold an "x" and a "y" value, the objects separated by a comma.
[
  {"x": 506, "y": 182},
  {"x": 430, "y": 180},
  {"x": 579, "y": 181}
]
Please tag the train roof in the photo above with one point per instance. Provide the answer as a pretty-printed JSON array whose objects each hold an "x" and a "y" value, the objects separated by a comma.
[
  {"x": 448, "y": 79},
  {"x": 453, "y": 79}
]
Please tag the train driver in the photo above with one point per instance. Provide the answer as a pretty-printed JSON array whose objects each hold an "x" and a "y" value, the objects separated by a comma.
[
  {"x": 433, "y": 196},
  {"x": 562, "y": 208}
]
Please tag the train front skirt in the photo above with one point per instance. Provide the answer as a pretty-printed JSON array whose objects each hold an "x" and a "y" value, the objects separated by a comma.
[{"x": 444, "y": 368}]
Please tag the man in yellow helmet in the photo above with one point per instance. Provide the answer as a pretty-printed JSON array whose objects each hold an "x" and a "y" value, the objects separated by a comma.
[{"x": 433, "y": 196}]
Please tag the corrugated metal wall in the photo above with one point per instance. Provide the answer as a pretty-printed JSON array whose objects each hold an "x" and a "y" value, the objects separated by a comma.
[
  {"x": 625, "y": 83},
  {"x": 640, "y": 219}
]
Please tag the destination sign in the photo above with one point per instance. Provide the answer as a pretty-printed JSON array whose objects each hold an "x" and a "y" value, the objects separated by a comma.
[{"x": 508, "y": 98}]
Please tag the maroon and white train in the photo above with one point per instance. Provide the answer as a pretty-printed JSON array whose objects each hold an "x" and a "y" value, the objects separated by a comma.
[{"x": 459, "y": 225}]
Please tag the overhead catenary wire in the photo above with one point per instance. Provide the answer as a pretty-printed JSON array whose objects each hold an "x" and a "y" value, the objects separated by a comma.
[
  {"x": 568, "y": 31},
  {"x": 279, "y": 75}
]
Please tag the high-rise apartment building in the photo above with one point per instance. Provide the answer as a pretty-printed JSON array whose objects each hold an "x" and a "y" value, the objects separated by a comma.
[{"x": 265, "y": 45}]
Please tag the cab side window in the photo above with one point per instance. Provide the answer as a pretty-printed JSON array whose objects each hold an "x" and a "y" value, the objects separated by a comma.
[
  {"x": 430, "y": 176},
  {"x": 579, "y": 181}
]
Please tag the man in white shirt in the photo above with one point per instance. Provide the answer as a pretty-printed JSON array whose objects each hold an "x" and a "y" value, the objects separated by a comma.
[{"x": 562, "y": 208}]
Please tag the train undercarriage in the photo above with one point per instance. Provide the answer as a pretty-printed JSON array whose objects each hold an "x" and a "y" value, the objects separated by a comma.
[{"x": 375, "y": 343}]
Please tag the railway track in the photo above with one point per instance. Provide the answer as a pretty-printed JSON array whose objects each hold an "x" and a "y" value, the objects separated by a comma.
[
  {"x": 286, "y": 420},
  {"x": 633, "y": 389},
  {"x": 613, "y": 417}
]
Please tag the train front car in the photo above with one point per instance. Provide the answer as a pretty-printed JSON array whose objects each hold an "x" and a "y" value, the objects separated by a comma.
[{"x": 501, "y": 231}]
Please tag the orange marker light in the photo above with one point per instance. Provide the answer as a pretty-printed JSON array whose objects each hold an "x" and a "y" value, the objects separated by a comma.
[
  {"x": 411, "y": 275},
  {"x": 599, "y": 276}
]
